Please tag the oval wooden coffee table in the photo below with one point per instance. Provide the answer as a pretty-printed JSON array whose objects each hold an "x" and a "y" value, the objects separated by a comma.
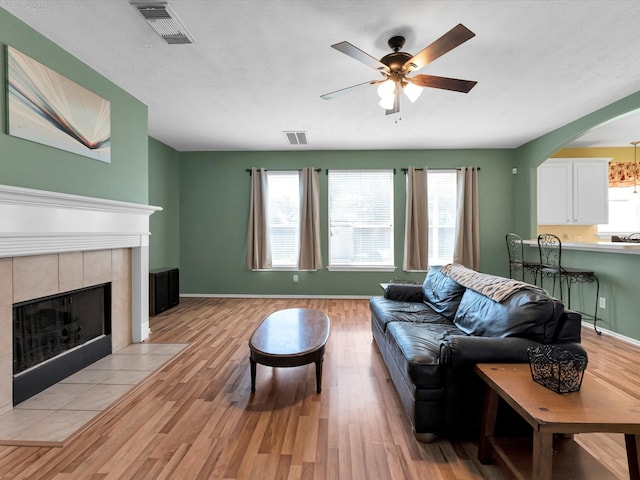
[{"x": 290, "y": 338}]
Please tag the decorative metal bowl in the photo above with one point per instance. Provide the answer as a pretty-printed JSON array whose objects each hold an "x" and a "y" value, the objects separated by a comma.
[{"x": 557, "y": 369}]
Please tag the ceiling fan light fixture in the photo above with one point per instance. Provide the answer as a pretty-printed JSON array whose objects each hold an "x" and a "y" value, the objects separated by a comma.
[
  {"x": 387, "y": 102},
  {"x": 412, "y": 91},
  {"x": 387, "y": 94},
  {"x": 386, "y": 89}
]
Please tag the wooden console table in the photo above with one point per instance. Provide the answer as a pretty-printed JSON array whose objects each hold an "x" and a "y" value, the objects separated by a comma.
[{"x": 595, "y": 408}]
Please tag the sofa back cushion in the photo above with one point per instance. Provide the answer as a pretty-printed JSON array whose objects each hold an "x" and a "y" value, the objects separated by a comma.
[
  {"x": 442, "y": 293},
  {"x": 527, "y": 314}
]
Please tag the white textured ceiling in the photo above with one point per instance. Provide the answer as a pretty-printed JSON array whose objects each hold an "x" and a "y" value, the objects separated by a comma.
[{"x": 258, "y": 67}]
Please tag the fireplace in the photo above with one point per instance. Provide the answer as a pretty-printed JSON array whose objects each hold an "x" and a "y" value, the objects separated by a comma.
[
  {"x": 58, "y": 335},
  {"x": 52, "y": 243}
]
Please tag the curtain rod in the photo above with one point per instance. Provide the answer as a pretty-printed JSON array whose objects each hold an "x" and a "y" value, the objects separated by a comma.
[
  {"x": 338, "y": 169},
  {"x": 405, "y": 170},
  {"x": 283, "y": 170}
]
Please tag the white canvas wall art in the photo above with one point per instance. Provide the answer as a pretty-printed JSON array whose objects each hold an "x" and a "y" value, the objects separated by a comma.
[{"x": 48, "y": 108}]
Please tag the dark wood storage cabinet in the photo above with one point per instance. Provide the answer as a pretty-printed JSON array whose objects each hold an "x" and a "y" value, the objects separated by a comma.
[{"x": 164, "y": 289}]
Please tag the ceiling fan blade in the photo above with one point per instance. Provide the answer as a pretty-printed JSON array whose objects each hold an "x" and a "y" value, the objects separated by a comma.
[
  {"x": 450, "y": 40},
  {"x": 444, "y": 83},
  {"x": 330, "y": 95},
  {"x": 396, "y": 103},
  {"x": 357, "y": 54}
]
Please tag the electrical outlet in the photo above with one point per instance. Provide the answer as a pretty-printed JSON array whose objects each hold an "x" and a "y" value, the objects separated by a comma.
[
  {"x": 578, "y": 238},
  {"x": 295, "y": 279},
  {"x": 602, "y": 303}
]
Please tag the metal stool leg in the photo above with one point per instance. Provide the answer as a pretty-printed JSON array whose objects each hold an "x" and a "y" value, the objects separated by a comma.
[
  {"x": 587, "y": 279},
  {"x": 595, "y": 313}
]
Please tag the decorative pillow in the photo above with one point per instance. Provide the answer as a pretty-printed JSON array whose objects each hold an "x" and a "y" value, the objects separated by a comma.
[{"x": 441, "y": 293}]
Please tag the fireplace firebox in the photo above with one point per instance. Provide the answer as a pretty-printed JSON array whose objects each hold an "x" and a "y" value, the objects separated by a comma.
[{"x": 56, "y": 336}]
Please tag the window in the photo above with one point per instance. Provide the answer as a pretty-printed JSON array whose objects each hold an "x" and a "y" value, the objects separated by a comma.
[
  {"x": 624, "y": 211},
  {"x": 284, "y": 217},
  {"x": 442, "y": 198},
  {"x": 361, "y": 219}
]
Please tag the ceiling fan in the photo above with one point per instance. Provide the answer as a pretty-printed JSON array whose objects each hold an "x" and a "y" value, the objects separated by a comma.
[{"x": 395, "y": 68}]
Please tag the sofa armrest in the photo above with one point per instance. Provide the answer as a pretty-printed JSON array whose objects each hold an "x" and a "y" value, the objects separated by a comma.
[
  {"x": 461, "y": 349},
  {"x": 403, "y": 292}
]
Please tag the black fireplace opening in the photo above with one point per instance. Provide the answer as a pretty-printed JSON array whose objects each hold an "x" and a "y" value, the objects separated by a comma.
[{"x": 56, "y": 336}]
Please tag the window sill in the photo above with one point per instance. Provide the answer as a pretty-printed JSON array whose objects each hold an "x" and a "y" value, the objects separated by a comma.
[
  {"x": 360, "y": 268},
  {"x": 283, "y": 269}
]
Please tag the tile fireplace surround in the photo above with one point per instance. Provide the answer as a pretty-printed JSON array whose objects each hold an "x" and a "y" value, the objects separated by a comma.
[{"x": 54, "y": 242}]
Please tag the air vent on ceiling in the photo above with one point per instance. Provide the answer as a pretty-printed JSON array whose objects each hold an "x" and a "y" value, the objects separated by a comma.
[
  {"x": 165, "y": 22},
  {"x": 297, "y": 138}
]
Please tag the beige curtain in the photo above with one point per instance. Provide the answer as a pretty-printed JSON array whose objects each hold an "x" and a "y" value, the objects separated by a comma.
[
  {"x": 258, "y": 242},
  {"x": 310, "y": 256},
  {"x": 467, "y": 247},
  {"x": 416, "y": 227}
]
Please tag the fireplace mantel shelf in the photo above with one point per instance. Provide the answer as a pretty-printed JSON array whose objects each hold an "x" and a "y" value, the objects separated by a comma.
[
  {"x": 39, "y": 222},
  {"x": 28, "y": 196}
]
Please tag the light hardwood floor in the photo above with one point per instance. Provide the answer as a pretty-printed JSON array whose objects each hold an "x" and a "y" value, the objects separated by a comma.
[{"x": 197, "y": 419}]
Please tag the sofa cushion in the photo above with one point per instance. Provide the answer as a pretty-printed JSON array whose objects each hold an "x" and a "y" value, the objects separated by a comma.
[
  {"x": 384, "y": 311},
  {"x": 441, "y": 293},
  {"x": 527, "y": 314},
  {"x": 416, "y": 349}
]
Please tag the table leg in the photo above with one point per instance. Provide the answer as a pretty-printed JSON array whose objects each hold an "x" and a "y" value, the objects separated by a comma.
[
  {"x": 487, "y": 429},
  {"x": 542, "y": 455},
  {"x": 253, "y": 374},
  {"x": 319, "y": 376},
  {"x": 633, "y": 458}
]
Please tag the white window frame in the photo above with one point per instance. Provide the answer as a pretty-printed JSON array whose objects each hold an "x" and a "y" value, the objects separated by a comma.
[
  {"x": 622, "y": 203},
  {"x": 435, "y": 218},
  {"x": 273, "y": 192},
  {"x": 385, "y": 221}
]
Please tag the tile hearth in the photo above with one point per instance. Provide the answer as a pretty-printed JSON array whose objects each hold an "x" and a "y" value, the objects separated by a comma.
[{"x": 52, "y": 416}]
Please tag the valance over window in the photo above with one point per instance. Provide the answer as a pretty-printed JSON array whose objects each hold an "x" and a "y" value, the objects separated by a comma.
[{"x": 623, "y": 174}]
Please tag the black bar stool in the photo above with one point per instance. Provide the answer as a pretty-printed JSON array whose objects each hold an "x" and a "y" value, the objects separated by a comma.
[
  {"x": 516, "y": 258},
  {"x": 550, "y": 248}
]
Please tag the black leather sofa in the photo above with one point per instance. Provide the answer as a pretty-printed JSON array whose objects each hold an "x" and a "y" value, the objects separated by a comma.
[{"x": 430, "y": 337}]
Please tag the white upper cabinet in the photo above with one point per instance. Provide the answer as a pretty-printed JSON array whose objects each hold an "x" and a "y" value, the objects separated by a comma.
[{"x": 573, "y": 191}]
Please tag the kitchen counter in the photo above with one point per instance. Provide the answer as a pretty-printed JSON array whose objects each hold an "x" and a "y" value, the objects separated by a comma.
[{"x": 607, "y": 247}]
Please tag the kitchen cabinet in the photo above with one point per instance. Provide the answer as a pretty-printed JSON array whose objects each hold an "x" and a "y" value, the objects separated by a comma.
[{"x": 573, "y": 191}]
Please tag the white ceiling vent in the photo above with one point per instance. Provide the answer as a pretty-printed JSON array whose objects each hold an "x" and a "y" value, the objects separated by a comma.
[
  {"x": 297, "y": 138},
  {"x": 164, "y": 21}
]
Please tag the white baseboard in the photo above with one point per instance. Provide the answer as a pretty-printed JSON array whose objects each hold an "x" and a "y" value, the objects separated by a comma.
[{"x": 616, "y": 335}]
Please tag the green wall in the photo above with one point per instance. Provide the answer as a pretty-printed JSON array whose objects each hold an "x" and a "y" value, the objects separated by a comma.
[
  {"x": 164, "y": 187},
  {"x": 618, "y": 273},
  {"x": 32, "y": 165},
  {"x": 214, "y": 206},
  {"x": 205, "y": 195}
]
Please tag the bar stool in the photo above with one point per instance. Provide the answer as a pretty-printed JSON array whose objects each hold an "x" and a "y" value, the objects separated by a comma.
[
  {"x": 550, "y": 248},
  {"x": 516, "y": 258}
]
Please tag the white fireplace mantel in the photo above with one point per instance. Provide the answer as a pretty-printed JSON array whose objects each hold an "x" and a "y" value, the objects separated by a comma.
[{"x": 35, "y": 222}]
